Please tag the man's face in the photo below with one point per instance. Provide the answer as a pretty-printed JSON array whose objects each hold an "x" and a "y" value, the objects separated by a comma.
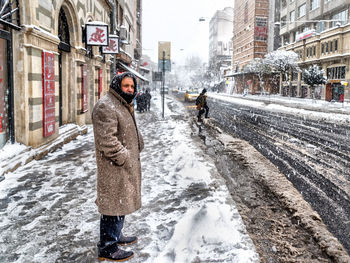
[{"x": 127, "y": 85}]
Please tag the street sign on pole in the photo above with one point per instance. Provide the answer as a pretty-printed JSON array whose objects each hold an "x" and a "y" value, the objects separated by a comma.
[{"x": 163, "y": 59}]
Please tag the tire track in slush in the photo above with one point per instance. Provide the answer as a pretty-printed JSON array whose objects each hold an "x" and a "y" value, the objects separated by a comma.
[{"x": 271, "y": 134}]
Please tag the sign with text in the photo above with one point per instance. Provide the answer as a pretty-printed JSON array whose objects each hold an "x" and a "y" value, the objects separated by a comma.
[
  {"x": 113, "y": 46},
  {"x": 48, "y": 73},
  {"x": 164, "y": 63},
  {"x": 305, "y": 35},
  {"x": 164, "y": 50},
  {"x": 84, "y": 103},
  {"x": 166, "y": 47},
  {"x": 96, "y": 34},
  {"x": 157, "y": 76}
]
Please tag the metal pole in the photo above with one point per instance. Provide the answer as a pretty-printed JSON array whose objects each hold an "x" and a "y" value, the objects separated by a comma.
[
  {"x": 163, "y": 82},
  {"x": 11, "y": 100}
]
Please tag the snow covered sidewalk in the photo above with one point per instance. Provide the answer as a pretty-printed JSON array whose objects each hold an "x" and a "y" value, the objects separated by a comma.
[
  {"x": 47, "y": 210},
  {"x": 188, "y": 214}
]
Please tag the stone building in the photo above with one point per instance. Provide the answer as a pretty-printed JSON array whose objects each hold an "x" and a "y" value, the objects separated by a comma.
[
  {"x": 51, "y": 70},
  {"x": 318, "y": 30}
]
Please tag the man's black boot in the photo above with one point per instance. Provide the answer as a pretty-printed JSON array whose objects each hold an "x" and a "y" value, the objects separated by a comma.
[
  {"x": 124, "y": 241},
  {"x": 118, "y": 256}
]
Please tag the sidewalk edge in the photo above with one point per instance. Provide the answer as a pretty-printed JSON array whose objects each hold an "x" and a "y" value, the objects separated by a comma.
[{"x": 30, "y": 154}]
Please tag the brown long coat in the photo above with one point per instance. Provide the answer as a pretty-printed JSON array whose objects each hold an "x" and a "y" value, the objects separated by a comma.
[{"x": 118, "y": 144}]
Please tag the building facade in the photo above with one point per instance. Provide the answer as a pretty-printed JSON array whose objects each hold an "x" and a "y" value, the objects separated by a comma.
[
  {"x": 54, "y": 70},
  {"x": 250, "y": 41},
  {"x": 319, "y": 32}
]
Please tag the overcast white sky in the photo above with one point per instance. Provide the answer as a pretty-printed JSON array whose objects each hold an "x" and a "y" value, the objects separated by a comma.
[{"x": 178, "y": 22}]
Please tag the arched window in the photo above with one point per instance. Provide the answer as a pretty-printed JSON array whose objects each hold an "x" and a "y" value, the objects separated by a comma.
[{"x": 63, "y": 32}]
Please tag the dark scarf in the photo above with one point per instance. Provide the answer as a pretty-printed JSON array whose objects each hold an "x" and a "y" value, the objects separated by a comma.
[{"x": 116, "y": 86}]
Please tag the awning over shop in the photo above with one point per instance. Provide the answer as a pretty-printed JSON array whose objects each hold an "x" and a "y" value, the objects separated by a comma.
[{"x": 133, "y": 71}]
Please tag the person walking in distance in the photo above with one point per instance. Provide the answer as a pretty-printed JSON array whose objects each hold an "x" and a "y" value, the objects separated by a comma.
[
  {"x": 202, "y": 106},
  {"x": 148, "y": 97},
  {"x": 118, "y": 144}
]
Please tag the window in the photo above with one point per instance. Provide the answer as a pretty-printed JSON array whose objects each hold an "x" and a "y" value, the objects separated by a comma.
[
  {"x": 336, "y": 45},
  {"x": 342, "y": 17},
  {"x": 314, "y": 4},
  {"x": 121, "y": 15},
  {"x": 327, "y": 47},
  {"x": 283, "y": 21},
  {"x": 284, "y": 3},
  {"x": 314, "y": 50},
  {"x": 292, "y": 16},
  {"x": 320, "y": 27},
  {"x": 331, "y": 46},
  {"x": 302, "y": 10},
  {"x": 336, "y": 73},
  {"x": 322, "y": 48}
]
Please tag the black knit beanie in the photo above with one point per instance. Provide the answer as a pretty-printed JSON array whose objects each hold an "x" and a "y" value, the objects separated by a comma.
[{"x": 116, "y": 86}]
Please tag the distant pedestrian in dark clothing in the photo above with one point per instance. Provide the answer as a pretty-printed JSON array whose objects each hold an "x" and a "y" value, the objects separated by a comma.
[
  {"x": 148, "y": 98},
  {"x": 202, "y": 106},
  {"x": 118, "y": 143},
  {"x": 141, "y": 102}
]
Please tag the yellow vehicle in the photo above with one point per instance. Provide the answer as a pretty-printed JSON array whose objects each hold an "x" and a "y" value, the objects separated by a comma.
[{"x": 191, "y": 95}]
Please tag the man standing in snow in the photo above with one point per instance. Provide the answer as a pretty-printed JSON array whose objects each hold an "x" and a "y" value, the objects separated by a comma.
[
  {"x": 202, "y": 106},
  {"x": 118, "y": 144}
]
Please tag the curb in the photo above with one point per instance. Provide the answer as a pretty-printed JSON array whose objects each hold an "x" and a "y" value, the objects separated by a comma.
[
  {"x": 29, "y": 154},
  {"x": 286, "y": 193},
  {"x": 319, "y": 108}
]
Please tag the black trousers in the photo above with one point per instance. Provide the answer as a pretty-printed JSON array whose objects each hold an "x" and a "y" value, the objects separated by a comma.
[
  {"x": 110, "y": 231},
  {"x": 205, "y": 109}
]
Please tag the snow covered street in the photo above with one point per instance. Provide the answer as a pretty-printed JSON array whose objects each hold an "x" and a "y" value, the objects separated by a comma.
[{"x": 47, "y": 210}]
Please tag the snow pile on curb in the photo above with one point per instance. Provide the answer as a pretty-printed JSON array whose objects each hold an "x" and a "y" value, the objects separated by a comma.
[{"x": 287, "y": 195}]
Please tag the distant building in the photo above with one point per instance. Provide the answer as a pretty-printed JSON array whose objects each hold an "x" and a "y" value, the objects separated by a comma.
[
  {"x": 273, "y": 31},
  {"x": 220, "y": 39},
  {"x": 318, "y": 30}
]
